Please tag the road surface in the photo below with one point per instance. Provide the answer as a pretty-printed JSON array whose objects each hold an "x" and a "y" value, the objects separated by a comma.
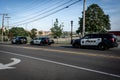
[{"x": 26, "y": 62}]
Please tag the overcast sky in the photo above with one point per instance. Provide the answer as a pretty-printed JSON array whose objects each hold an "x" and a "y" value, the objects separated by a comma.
[{"x": 41, "y": 14}]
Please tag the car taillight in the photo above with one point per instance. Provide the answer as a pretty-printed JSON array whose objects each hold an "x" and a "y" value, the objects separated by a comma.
[
  {"x": 112, "y": 39},
  {"x": 46, "y": 40}
]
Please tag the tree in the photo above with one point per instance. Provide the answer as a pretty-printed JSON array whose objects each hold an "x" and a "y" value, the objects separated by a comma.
[
  {"x": 57, "y": 29},
  {"x": 33, "y": 33},
  {"x": 18, "y": 31},
  {"x": 66, "y": 34},
  {"x": 5, "y": 31},
  {"x": 96, "y": 20},
  {"x": 0, "y": 30},
  {"x": 80, "y": 24},
  {"x": 40, "y": 32}
]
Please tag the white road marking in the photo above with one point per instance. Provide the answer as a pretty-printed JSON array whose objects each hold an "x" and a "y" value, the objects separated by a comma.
[
  {"x": 8, "y": 66},
  {"x": 63, "y": 64}
]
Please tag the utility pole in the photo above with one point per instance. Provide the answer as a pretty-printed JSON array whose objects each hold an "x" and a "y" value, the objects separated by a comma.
[
  {"x": 71, "y": 31},
  {"x": 8, "y": 27},
  {"x": 3, "y": 23},
  {"x": 8, "y": 22},
  {"x": 83, "y": 31}
]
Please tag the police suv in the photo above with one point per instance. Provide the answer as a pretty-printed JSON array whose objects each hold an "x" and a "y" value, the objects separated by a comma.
[
  {"x": 101, "y": 41},
  {"x": 42, "y": 41},
  {"x": 19, "y": 40}
]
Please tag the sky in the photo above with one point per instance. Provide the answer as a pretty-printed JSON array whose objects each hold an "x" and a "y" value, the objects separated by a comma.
[{"x": 41, "y": 14}]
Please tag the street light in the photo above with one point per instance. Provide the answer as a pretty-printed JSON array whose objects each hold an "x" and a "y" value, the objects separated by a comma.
[{"x": 71, "y": 30}]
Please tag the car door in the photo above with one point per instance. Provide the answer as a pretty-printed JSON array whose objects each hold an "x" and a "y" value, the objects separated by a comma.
[
  {"x": 36, "y": 41},
  {"x": 95, "y": 40},
  {"x": 85, "y": 41},
  {"x": 91, "y": 40},
  {"x": 14, "y": 40}
]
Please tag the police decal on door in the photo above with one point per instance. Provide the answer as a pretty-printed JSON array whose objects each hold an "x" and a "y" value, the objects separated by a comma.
[{"x": 92, "y": 41}]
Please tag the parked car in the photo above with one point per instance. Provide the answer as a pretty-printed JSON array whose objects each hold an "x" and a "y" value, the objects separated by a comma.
[
  {"x": 100, "y": 41},
  {"x": 19, "y": 40},
  {"x": 42, "y": 41}
]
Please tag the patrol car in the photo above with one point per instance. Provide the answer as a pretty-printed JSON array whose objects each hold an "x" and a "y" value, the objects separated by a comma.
[
  {"x": 100, "y": 41},
  {"x": 42, "y": 41},
  {"x": 19, "y": 40}
]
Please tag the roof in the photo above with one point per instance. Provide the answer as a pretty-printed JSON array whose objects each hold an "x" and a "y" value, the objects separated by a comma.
[{"x": 115, "y": 32}]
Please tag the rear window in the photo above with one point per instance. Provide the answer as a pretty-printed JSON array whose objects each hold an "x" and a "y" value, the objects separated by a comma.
[
  {"x": 23, "y": 38},
  {"x": 43, "y": 38},
  {"x": 99, "y": 36},
  {"x": 108, "y": 36},
  {"x": 95, "y": 36},
  {"x": 114, "y": 36}
]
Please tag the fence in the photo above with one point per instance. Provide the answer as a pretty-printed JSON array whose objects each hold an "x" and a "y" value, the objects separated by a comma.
[{"x": 64, "y": 40}]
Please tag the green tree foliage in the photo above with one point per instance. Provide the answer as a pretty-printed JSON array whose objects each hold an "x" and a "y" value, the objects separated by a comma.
[
  {"x": 57, "y": 29},
  {"x": 0, "y": 31},
  {"x": 96, "y": 20},
  {"x": 80, "y": 22},
  {"x": 5, "y": 34},
  {"x": 18, "y": 31},
  {"x": 5, "y": 31},
  {"x": 33, "y": 33},
  {"x": 40, "y": 32}
]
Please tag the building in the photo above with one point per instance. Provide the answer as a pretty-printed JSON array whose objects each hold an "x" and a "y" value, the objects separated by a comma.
[
  {"x": 46, "y": 33},
  {"x": 43, "y": 33}
]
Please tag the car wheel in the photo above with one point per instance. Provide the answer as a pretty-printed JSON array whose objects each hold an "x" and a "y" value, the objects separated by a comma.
[
  {"x": 49, "y": 44},
  {"x": 102, "y": 47},
  {"x": 75, "y": 45},
  {"x": 12, "y": 42},
  {"x": 31, "y": 43},
  {"x": 41, "y": 44}
]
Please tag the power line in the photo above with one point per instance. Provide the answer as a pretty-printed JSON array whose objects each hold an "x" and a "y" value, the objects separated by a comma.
[
  {"x": 50, "y": 13},
  {"x": 45, "y": 12},
  {"x": 43, "y": 9},
  {"x": 36, "y": 7},
  {"x": 27, "y": 6}
]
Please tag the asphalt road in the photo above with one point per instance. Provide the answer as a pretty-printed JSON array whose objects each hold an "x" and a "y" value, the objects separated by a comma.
[{"x": 26, "y": 62}]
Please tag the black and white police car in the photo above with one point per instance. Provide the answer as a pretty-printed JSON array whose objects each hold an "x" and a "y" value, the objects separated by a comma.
[
  {"x": 19, "y": 40},
  {"x": 42, "y": 41},
  {"x": 100, "y": 41}
]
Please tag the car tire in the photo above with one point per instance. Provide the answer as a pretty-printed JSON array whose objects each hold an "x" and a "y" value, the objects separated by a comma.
[
  {"x": 12, "y": 42},
  {"x": 31, "y": 43},
  {"x": 49, "y": 44},
  {"x": 41, "y": 44},
  {"x": 102, "y": 47},
  {"x": 76, "y": 45}
]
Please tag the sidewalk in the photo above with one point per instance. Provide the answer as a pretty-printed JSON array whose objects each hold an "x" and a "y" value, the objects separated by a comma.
[
  {"x": 6, "y": 42},
  {"x": 55, "y": 44}
]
